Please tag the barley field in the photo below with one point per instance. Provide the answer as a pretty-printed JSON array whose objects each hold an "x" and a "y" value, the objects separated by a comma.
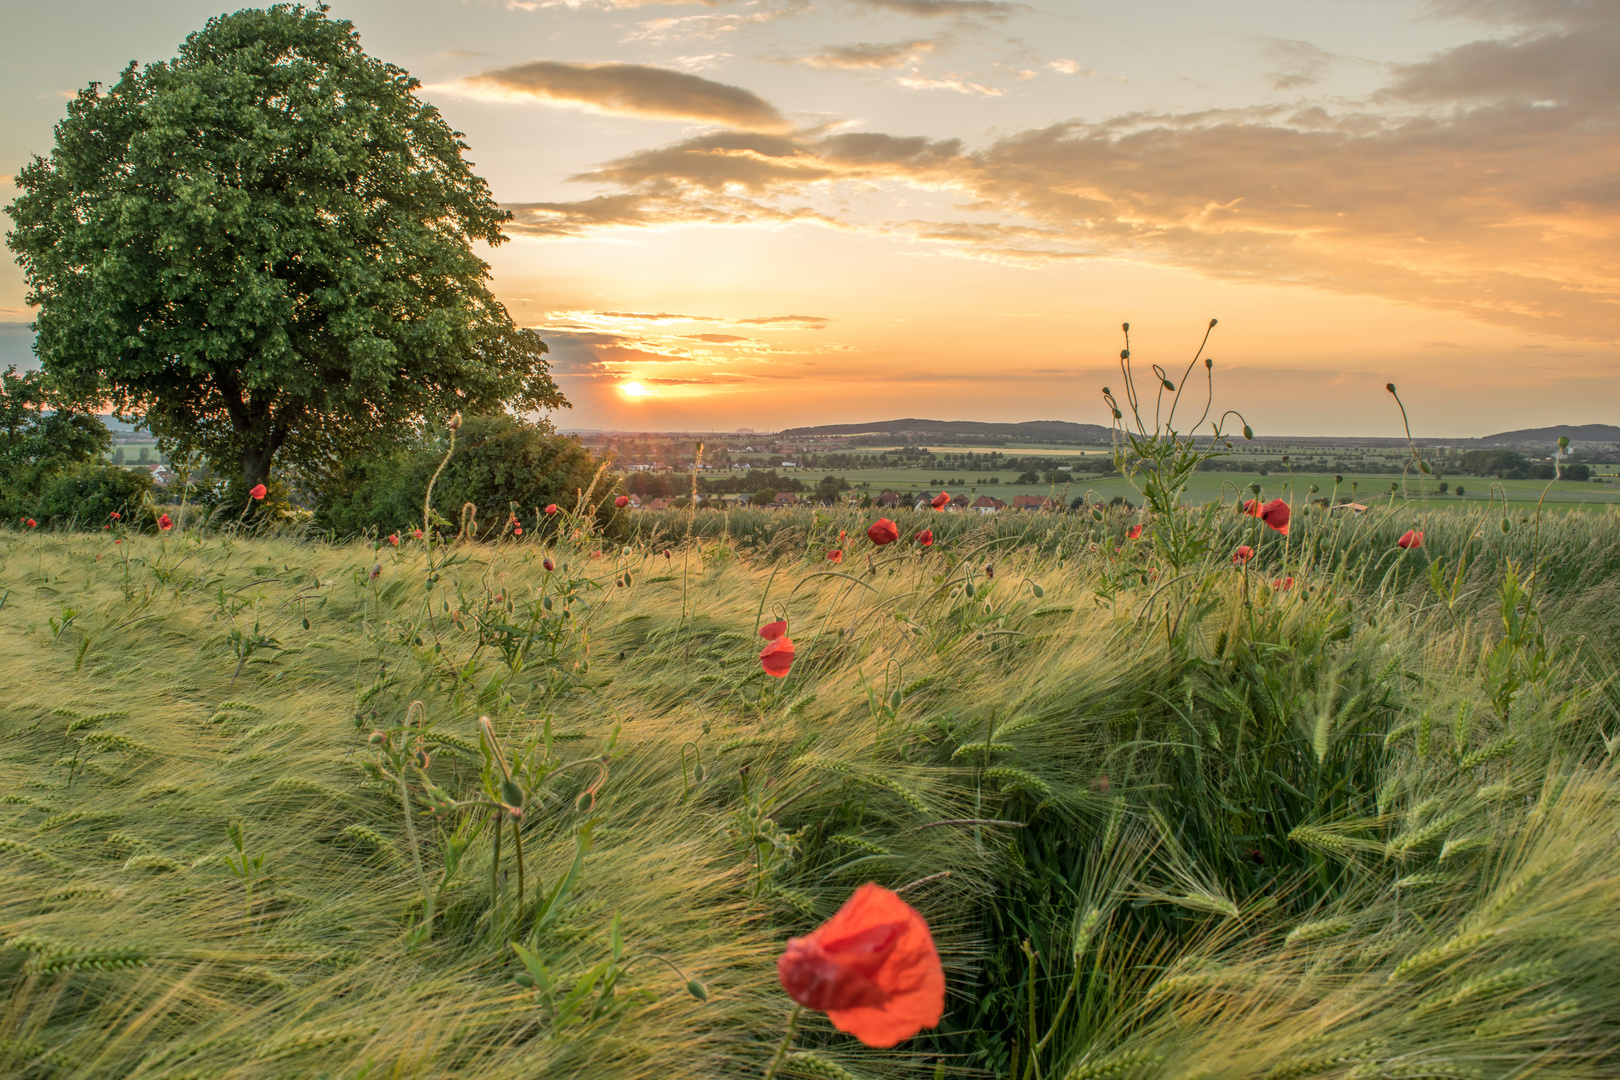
[{"x": 1345, "y": 809}]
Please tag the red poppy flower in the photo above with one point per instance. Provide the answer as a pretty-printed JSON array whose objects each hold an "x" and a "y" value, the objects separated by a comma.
[
  {"x": 596, "y": 554},
  {"x": 416, "y": 534},
  {"x": 31, "y": 523},
  {"x": 1411, "y": 538},
  {"x": 163, "y": 523},
  {"x": 777, "y": 657},
  {"x": 104, "y": 528},
  {"x": 517, "y": 530},
  {"x": 835, "y": 556},
  {"x": 116, "y": 516},
  {"x": 549, "y": 565},
  {"x": 926, "y": 538},
  {"x": 551, "y": 508},
  {"x": 120, "y": 540},
  {"x": 773, "y": 630},
  {"x": 667, "y": 555},
  {"x": 393, "y": 538},
  {"x": 883, "y": 531},
  {"x": 1282, "y": 584},
  {"x": 872, "y": 968},
  {"x": 1275, "y": 514},
  {"x": 941, "y": 501},
  {"x": 1135, "y": 533},
  {"x": 257, "y": 491},
  {"x": 1252, "y": 508},
  {"x": 1243, "y": 554},
  {"x": 841, "y": 535},
  {"x": 622, "y": 501}
]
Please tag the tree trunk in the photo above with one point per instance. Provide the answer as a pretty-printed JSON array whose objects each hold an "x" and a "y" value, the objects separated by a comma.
[{"x": 256, "y": 465}]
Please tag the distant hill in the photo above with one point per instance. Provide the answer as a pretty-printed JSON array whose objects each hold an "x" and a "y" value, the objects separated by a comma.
[
  {"x": 1595, "y": 433},
  {"x": 1030, "y": 430}
]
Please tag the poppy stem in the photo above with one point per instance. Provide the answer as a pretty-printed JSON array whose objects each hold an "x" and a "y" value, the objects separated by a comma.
[{"x": 787, "y": 1040}]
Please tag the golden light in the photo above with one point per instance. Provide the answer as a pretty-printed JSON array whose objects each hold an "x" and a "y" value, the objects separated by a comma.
[{"x": 633, "y": 390}]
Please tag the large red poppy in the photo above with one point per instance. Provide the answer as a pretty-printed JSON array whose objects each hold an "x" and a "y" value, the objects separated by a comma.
[
  {"x": 164, "y": 523},
  {"x": 777, "y": 657},
  {"x": 622, "y": 501},
  {"x": 872, "y": 968},
  {"x": 883, "y": 531},
  {"x": 1251, "y": 508},
  {"x": 773, "y": 630},
  {"x": 551, "y": 508},
  {"x": 942, "y": 500},
  {"x": 926, "y": 538},
  {"x": 257, "y": 491},
  {"x": 1135, "y": 533},
  {"x": 1275, "y": 514},
  {"x": 1243, "y": 554},
  {"x": 1411, "y": 538}
]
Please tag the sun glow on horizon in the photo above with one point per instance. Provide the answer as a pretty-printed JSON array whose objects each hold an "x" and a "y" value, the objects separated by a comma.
[{"x": 634, "y": 390}]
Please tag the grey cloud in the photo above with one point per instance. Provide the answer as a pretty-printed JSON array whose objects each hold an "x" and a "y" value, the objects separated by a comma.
[
  {"x": 637, "y": 90},
  {"x": 932, "y": 9},
  {"x": 1578, "y": 65},
  {"x": 1296, "y": 63},
  {"x": 871, "y": 55}
]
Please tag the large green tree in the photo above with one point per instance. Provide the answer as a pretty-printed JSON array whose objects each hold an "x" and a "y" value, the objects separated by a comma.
[{"x": 265, "y": 246}]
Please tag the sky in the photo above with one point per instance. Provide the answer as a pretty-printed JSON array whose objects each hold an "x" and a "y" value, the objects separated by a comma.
[{"x": 770, "y": 213}]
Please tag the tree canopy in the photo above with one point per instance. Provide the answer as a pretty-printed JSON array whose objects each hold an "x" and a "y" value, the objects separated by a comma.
[{"x": 265, "y": 246}]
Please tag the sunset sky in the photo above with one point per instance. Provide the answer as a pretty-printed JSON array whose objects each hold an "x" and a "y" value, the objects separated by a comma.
[{"x": 778, "y": 212}]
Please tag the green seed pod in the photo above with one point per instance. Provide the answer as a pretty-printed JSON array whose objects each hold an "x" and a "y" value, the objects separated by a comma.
[
  {"x": 697, "y": 990},
  {"x": 511, "y": 794},
  {"x": 1255, "y": 488},
  {"x": 1212, "y": 323},
  {"x": 376, "y": 738},
  {"x": 1505, "y": 525},
  {"x": 1314, "y": 489},
  {"x": 422, "y": 759},
  {"x": 306, "y": 622},
  {"x": 1563, "y": 442},
  {"x": 1424, "y": 465},
  {"x": 586, "y": 802},
  {"x": 627, "y": 579},
  {"x": 1390, "y": 387},
  {"x": 1124, "y": 354},
  {"x": 1168, "y": 385},
  {"x": 1036, "y": 586},
  {"x": 1096, "y": 515},
  {"x": 546, "y": 603},
  {"x": 1125, "y": 327},
  {"x": 970, "y": 590},
  {"x": 1248, "y": 432},
  {"x": 1338, "y": 479},
  {"x": 1118, "y": 415},
  {"x": 894, "y": 700},
  {"x": 697, "y": 774},
  {"x": 1209, "y": 363}
]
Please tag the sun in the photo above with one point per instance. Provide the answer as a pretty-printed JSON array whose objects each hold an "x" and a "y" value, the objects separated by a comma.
[{"x": 633, "y": 390}]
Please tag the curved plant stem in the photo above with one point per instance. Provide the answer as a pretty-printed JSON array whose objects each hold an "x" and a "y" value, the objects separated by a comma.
[{"x": 787, "y": 1040}]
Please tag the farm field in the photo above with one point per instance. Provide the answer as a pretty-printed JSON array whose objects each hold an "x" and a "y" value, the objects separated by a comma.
[
  {"x": 1326, "y": 812},
  {"x": 1207, "y": 486}
]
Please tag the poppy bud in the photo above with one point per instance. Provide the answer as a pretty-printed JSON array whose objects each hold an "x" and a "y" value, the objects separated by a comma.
[
  {"x": 697, "y": 774},
  {"x": 697, "y": 990},
  {"x": 1424, "y": 466},
  {"x": 1314, "y": 489},
  {"x": 306, "y": 622},
  {"x": 1209, "y": 363},
  {"x": 422, "y": 759},
  {"x": 1212, "y": 323},
  {"x": 454, "y": 423},
  {"x": 1248, "y": 432},
  {"x": 1338, "y": 479},
  {"x": 1390, "y": 387},
  {"x": 1255, "y": 488},
  {"x": 1563, "y": 442},
  {"x": 1096, "y": 515},
  {"x": 1118, "y": 415},
  {"x": 1168, "y": 385},
  {"x": 1107, "y": 392},
  {"x": 586, "y": 802},
  {"x": 1124, "y": 354},
  {"x": 548, "y": 564},
  {"x": 1505, "y": 525},
  {"x": 1125, "y": 327},
  {"x": 376, "y": 737}
]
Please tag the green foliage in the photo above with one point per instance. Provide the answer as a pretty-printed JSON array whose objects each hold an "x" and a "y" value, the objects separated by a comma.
[
  {"x": 265, "y": 246},
  {"x": 90, "y": 492},
  {"x": 42, "y": 436},
  {"x": 499, "y": 460}
]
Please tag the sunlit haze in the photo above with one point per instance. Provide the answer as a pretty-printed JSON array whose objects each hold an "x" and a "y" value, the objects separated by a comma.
[{"x": 784, "y": 212}]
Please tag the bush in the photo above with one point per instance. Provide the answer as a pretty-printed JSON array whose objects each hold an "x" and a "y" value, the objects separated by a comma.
[
  {"x": 91, "y": 492},
  {"x": 499, "y": 460},
  {"x": 762, "y": 497},
  {"x": 1578, "y": 472}
]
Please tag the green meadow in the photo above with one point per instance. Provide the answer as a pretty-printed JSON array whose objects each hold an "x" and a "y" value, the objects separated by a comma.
[{"x": 1203, "y": 823}]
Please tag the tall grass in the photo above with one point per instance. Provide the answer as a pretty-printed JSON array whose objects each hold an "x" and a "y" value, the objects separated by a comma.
[{"x": 1160, "y": 826}]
